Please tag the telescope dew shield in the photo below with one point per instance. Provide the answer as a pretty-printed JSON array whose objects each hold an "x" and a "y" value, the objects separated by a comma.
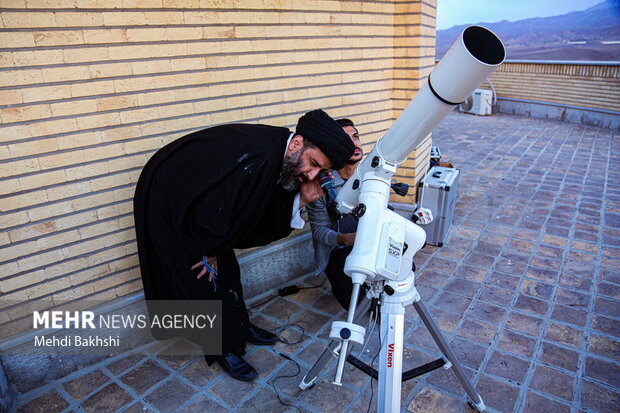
[{"x": 472, "y": 58}]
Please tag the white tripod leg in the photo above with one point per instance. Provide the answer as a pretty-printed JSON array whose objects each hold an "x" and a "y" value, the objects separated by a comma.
[
  {"x": 433, "y": 329},
  {"x": 344, "y": 347},
  {"x": 391, "y": 357},
  {"x": 333, "y": 349}
]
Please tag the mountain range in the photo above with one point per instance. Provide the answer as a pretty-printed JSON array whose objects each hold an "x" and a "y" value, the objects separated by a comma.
[{"x": 592, "y": 34}]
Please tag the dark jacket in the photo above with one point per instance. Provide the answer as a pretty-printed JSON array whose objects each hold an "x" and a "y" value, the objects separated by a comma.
[{"x": 205, "y": 194}]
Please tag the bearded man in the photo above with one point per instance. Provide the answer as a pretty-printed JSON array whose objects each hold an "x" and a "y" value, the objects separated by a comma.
[{"x": 221, "y": 188}]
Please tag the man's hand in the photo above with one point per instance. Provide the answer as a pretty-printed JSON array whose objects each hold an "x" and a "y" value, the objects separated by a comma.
[
  {"x": 212, "y": 261},
  {"x": 310, "y": 191},
  {"x": 346, "y": 239}
]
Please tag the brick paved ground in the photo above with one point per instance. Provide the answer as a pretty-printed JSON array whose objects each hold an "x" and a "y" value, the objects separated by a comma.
[{"x": 526, "y": 289}]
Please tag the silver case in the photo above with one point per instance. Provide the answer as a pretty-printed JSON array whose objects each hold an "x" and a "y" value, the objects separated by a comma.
[{"x": 439, "y": 195}]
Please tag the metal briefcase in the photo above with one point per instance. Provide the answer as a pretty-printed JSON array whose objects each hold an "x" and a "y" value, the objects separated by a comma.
[{"x": 437, "y": 192}]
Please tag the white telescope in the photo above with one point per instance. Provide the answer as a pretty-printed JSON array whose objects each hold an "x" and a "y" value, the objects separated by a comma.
[
  {"x": 385, "y": 242},
  {"x": 471, "y": 59}
]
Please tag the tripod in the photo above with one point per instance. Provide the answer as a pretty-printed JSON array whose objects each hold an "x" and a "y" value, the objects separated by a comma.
[
  {"x": 392, "y": 324},
  {"x": 383, "y": 252}
]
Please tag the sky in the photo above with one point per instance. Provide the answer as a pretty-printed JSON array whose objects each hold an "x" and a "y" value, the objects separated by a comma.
[{"x": 455, "y": 12}]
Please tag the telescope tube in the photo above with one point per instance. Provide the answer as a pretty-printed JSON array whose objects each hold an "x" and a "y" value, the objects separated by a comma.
[{"x": 472, "y": 58}]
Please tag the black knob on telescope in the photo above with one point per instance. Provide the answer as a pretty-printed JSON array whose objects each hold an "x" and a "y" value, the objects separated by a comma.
[
  {"x": 388, "y": 290},
  {"x": 359, "y": 211},
  {"x": 345, "y": 333},
  {"x": 400, "y": 188}
]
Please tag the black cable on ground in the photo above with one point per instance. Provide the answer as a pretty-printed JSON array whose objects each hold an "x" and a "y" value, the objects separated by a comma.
[
  {"x": 286, "y": 376},
  {"x": 284, "y": 291},
  {"x": 261, "y": 303},
  {"x": 291, "y": 342},
  {"x": 314, "y": 286}
]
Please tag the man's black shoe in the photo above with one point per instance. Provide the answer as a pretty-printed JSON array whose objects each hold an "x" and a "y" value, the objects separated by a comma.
[
  {"x": 260, "y": 337},
  {"x": 237, "y": 367}
]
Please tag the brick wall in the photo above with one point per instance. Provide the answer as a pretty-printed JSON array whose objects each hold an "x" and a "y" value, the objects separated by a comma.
[
  {"x": 90, "y": 89},
  {"x": 576, "y": 84},
  {"x": 414, "y": 49}
]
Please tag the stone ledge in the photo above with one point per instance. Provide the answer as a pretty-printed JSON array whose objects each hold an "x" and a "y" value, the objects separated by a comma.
[{"x": 566, "y": 113}]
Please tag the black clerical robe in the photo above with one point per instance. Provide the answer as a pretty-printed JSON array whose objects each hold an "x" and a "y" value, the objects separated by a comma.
[{"x": 205, "y": 194}]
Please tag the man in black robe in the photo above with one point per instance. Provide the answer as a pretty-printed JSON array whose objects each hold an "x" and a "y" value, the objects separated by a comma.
[{"x": 226, "y": 187}]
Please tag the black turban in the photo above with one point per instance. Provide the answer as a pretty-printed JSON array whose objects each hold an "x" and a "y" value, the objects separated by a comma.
[{"x": 327, "y": 135}]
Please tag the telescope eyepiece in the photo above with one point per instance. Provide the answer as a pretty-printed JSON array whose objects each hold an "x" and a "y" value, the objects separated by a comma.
[{"x": 326, "y": 181}]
